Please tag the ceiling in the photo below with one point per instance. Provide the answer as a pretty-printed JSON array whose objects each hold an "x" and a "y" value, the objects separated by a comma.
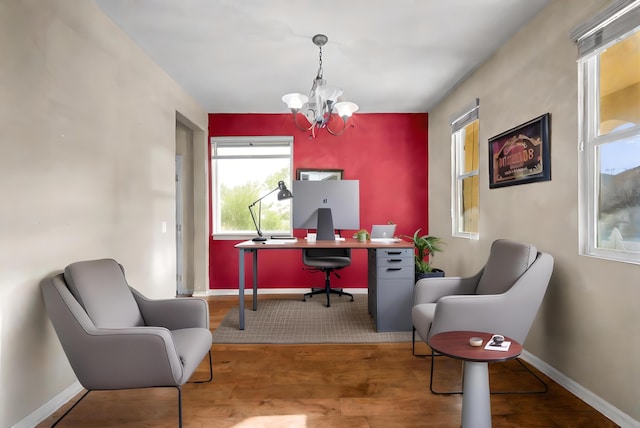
[{"x": 241, "y": 56}]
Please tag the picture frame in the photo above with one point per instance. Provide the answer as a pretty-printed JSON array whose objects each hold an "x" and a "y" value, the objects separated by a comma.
[
  {"x": 521, "y": 155},
  {"x": 317, "y": 174}
]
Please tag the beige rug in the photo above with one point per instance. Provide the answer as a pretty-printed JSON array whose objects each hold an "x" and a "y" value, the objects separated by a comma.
[{"x": 290, "y": 320}]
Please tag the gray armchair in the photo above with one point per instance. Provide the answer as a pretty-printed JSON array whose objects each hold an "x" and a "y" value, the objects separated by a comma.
[
  {"x": 504, "y": 297},
  {"x": 115, "y": 338}
]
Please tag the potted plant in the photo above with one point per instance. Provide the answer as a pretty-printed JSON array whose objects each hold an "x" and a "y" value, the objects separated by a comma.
[
  {"x": 425, "y": 247},
  {"x": 362, "y": 235}
]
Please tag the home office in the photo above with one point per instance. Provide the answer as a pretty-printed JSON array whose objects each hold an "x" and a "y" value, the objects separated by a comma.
[
  {"x": 92, "y": 175},
  {"x": 328, "y": 207}
]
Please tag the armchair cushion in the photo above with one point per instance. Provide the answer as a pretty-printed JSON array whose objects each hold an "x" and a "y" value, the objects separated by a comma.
[
  {"x": 429, "y": 290},
  {"x": 103, "y": 292},
  {"x": 173, "y": 314},
  {"x": 508, "y": 260},
  {"x": 422, "y": 316},
  {"x": 191, "y": 345}
]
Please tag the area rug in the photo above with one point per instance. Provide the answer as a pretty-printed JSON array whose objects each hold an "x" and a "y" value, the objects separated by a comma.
[{"x": 292, "y": 321}]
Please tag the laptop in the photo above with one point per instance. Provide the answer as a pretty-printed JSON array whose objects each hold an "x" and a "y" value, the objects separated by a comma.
[{"x": 383, "y": 232}]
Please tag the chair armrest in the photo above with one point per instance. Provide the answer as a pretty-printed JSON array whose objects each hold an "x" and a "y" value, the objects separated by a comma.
[
  {"x": 135, "y": 357},
  {"x": 486, "y": 313},
  {"x": 429, "y": 290},
  {"x": 173, "y": 314}
]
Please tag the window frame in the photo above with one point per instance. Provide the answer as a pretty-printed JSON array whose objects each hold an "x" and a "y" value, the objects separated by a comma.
[
  {"x": 263, "y": 141},
  {"x": 588, "y": 131},
  {"x": 459, "y": 122}
]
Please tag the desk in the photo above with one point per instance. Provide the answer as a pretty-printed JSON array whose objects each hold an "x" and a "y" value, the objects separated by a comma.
[
  {"x": 403, "y": 272},
  {"x": 476, "y": 404}
]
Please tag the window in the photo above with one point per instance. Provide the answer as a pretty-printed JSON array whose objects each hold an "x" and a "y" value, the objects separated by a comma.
[
  {"x": 465, "y": 187},
  {"x": 609, "y": 149},
  {"x": 244, "y": 169}
]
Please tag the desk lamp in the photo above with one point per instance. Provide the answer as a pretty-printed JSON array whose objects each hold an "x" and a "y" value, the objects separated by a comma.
[{"x": 284, "y": 193}]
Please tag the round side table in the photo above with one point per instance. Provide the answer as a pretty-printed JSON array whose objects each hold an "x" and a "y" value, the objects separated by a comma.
[{"x": 476, "y": 404}]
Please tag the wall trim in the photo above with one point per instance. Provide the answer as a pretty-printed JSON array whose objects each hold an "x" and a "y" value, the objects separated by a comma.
[
  {"x": 602, "y": 406},
  {"x": 51, "y": 406}
]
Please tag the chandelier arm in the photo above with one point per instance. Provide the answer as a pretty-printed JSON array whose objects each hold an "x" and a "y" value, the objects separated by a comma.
[
  {"x": 344, "y": 128},
  {"x": 295, "y": 120}
]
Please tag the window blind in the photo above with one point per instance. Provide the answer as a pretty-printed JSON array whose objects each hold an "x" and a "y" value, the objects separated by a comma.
[
  {"x": 465, "y": 116},
  {"x": 606, "y": 26}
]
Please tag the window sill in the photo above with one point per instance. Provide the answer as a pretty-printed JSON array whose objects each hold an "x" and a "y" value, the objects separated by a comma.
[
  {"x": 244, "y": 236},
  {"x": 630, "y": 258},
  {"x": 472, "y": 236}
]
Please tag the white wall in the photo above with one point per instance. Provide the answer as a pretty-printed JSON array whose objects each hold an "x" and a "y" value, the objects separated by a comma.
[
  {"x": 589, "y": 299},
  {"x": 87, "y": 139}
]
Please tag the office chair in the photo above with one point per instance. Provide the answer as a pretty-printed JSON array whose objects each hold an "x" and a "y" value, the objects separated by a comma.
[
  {"x": 327, "y": 260},
  {"x": 504, "y": 298}
]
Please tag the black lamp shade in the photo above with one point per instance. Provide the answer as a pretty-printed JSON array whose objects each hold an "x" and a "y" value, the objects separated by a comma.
[{"x": 284, "y": 193}]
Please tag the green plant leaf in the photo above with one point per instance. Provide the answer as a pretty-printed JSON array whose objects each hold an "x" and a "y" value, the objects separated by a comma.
[{"x": 425, "y": 247}]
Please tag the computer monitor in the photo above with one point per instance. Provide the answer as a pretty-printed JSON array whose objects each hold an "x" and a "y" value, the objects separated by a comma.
[{"x": 341, "y": 196}]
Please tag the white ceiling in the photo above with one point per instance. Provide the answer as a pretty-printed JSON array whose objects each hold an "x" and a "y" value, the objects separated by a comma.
[{"x": 241, "y": 56}]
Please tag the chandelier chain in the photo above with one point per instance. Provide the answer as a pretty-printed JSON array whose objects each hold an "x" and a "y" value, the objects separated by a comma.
[{"x": 320, "y": 70}]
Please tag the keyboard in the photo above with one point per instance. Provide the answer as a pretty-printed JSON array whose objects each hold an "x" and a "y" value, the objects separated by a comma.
[{"x": 385, "y": 240}]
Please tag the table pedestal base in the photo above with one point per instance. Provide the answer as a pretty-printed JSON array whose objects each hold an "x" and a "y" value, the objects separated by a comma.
[{"x": 476, "y": 404}]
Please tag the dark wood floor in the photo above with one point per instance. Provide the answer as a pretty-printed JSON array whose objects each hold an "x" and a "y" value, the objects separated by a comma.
[{"x": 373, "y": 385}]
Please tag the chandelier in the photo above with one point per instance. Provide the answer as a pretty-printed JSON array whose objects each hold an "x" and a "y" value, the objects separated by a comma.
[{"x": 313, "y": 112}]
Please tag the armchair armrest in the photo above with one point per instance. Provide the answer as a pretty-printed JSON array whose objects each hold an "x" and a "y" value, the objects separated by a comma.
[
  {"x": 490, "y": 313},
  {"x": 134, "y": 357},
  {"x": 173, "y": 314},
  {"x": 430, "y": 290}
]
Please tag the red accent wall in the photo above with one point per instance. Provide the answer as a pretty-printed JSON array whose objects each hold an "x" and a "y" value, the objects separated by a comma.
[{"x": 387, "y": 152}]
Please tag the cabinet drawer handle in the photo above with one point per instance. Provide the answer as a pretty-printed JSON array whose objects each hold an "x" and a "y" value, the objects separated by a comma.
[
  {"x": 393, "y": 253},
  {"x": 393, "y": 269},
  {"x": 394, "y": 260}
]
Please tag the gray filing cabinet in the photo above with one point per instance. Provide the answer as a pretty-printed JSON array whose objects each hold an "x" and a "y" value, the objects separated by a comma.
[{"x": 391, "y": 280}]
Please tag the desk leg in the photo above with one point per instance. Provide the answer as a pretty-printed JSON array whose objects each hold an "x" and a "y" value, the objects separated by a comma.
[
  {"x": 255, "y": 280},
  {"x": 476, "y": 404},
  {"x": 241, "y": 289}
]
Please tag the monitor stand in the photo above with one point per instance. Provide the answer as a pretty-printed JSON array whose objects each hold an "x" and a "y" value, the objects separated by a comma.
[{"x": 324, "y": 231}]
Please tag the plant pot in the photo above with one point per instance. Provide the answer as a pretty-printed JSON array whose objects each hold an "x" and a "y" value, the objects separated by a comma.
[{"x": 435, "y": 273}]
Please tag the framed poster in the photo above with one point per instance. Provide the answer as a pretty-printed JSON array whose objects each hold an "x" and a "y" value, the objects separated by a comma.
[
  {"x": 521, "y": 155},
  {"x": 314, "y": 174}
]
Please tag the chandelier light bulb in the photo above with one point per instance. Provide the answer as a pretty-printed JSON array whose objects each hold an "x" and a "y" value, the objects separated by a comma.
[
  {"x": 295, "y": 100},
  {"x": 345, "y": 108}
]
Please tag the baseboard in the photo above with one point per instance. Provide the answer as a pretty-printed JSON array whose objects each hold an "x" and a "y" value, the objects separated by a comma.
[
  {"x": 50, "y": 406},
  {"x": 249, "y": 291},
  {"x": 613, "y": 413}
]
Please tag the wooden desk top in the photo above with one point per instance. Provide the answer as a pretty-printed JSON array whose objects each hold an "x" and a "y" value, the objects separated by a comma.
[
  {"x": 455, "y": 344},
  {"x": 300, "y": 243}
]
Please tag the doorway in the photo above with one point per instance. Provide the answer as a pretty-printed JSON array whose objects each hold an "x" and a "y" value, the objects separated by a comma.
[{"x": 184, "y": 211}]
